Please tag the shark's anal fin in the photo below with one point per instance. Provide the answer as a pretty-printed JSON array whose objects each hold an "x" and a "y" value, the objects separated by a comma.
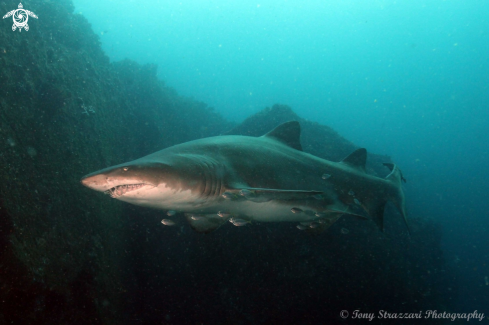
[
  {"x": 288, "y": 133},
  {"x": 266, "y": 194},
  {"x": 357, "y": 159},
  {"x": 205, "y": 223}
]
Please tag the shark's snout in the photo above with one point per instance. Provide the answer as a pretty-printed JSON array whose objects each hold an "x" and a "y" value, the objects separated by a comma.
[
  {"x": 121, "y": 179},
  {"x": 96, "y": 182},
  {"x": 114, "y": 186}
]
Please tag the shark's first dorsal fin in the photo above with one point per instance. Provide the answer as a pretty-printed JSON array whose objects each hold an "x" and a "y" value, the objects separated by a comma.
[
  {"x": 357, "y": 159},
  {"x": 288, "y": 133}
]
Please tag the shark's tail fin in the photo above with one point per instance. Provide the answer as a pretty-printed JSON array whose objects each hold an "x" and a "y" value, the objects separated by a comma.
[{"x": 397, "y": 197}]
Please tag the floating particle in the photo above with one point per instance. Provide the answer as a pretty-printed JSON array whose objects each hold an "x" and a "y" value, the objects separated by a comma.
[
  {"x": 31, "y": 152},
  {"x": 171, "y": 213},
  {"x": 326, "y": 176},
  {"x": 486, "y": 280},
  {"x": 301, "y": 227},
  {"x": 223, "y": 214},
  {"x": 167, "y": 222},
  {"x": 345, "y": 231},
  {"x": 350, "y": 192},
  {"x": 296, "y": 210},
  {"x": 11, "y": 142},
  {"x": 306, "y": 223}
]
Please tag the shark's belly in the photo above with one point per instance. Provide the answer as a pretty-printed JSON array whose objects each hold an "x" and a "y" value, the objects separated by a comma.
[{"x": 271, "y": 211}]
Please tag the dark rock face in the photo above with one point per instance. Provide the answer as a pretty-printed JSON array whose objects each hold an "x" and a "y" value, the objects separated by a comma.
[
  {"x": 71, "y": 256},
  {"x": 66, "y": 111}
]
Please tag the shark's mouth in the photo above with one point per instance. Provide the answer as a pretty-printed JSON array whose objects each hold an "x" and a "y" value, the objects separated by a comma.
[{"x": 123, "y": 189}]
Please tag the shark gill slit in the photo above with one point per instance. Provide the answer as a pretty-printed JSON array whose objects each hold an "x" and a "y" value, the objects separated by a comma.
[
  {"x": 204, "y": 185},
  {"x": 212, "y": 181},
  {"x": 215, "y": 181},
  {"x": 218, "y": 183},
  {"x": 208, "y": 180}
]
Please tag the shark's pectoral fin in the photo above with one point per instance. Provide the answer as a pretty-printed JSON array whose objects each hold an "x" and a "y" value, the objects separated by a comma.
[
  {"x": 267, "y": 194},
  {"x": 205, "y": 223}
]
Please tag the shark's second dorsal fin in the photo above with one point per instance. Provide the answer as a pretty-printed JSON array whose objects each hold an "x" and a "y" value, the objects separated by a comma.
[
  {"x": 357, "y": 159},
  {"x": 288, "y": 133}
]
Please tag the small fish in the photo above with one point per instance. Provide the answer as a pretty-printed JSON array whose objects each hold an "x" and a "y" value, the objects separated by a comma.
[
  {"x": 486, "y": 280},
  {"x": 313, "y": 225},
  {"x": 350, "y": 192},
  {"x": 326, "y": 176},
  {"x": 11, "y": 142},
  {"x": 238, "y": 222},
  {"x": 31, "y": 152},
  {"x": 228, "y": 195},
  {"x": 320, "y": 214},
  {"x": 318, "y": 197},
  {"x": 301, "y": 227},
  {"x": 167, "y": 222},
  {"x": 171, "y": 213},
  {"x": 247, "y": 193},
  {"x": 223, "y": 215},
  {"x": 356, "y": 201},
  {"x": 296, "y": 210},
  {"x": 345, "y": 231},
  {"x": 322, "y": 221},
  {"x": 195, "y": 217}
]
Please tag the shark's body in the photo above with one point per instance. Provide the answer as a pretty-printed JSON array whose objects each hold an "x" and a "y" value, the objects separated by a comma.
[{"x": 265, "y": 179}]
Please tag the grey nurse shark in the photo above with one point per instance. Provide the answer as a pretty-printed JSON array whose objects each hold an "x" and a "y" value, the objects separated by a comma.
[{"x": 262, "y": 179}]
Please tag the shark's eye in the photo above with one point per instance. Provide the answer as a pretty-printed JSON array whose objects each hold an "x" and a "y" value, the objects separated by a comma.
[{"x": 125, "y": 169}]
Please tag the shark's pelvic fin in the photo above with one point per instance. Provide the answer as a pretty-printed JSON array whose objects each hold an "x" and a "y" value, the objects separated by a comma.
[
  {"x": 288, "y": 133},
  {"x": 396, "y": 178},
  {"x": 375, "y": 210},
  {"x": 205, "y": 223},
  {"x": 357, "y": 159}
]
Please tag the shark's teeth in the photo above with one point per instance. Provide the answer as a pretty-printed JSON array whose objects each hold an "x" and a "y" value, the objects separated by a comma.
[{"x": 123, "y": 189}]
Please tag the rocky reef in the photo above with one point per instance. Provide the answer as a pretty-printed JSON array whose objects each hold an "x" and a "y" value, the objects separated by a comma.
[{"x": 71, "y": 256}]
